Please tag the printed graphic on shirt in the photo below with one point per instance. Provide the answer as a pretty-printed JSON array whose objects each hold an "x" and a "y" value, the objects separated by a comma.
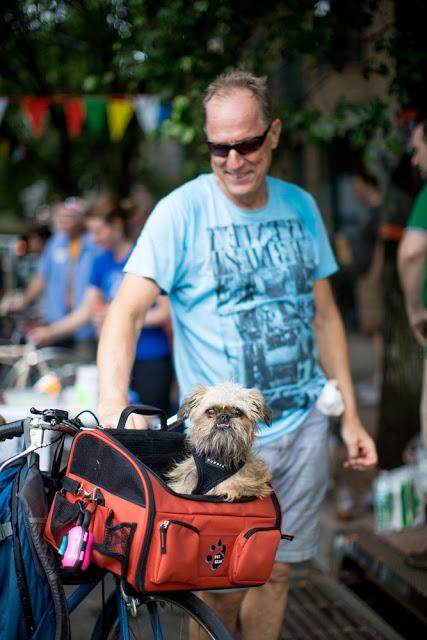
[{"x": 263, "y": 274}]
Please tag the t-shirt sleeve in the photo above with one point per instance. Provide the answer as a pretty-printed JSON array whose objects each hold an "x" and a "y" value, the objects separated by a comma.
[
  {"x": 326, "y": 264},
  {"x": 160, "y": 251},
  {"x": 95, "y": 279},
  {"x": 418, "y": 218}
]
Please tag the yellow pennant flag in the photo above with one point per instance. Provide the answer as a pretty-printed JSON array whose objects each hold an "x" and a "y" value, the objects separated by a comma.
[{"x": 119, "y": 113}]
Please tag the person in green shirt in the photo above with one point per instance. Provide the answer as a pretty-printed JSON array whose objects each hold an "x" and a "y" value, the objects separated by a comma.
[
  {"x": 412, "y": 262},
  {"x": 413, "y": 276}
]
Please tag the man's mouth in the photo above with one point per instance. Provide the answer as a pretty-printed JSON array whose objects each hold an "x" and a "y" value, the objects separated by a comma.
[{"x": 237, "y": 176}]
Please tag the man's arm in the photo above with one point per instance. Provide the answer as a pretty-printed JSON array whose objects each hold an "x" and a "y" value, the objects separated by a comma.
[
  {"x": 159, "y": 314},
  {"x": 411, "y": 264},
  {"x": 44, "y": 335},
  {"x": 34, "y": 289},
  {"x": 116, "y": 350},
  {"x": 333, "y": 355}
]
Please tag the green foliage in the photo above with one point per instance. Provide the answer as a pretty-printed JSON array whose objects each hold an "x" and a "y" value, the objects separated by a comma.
[{"x": 173, "y": 48}]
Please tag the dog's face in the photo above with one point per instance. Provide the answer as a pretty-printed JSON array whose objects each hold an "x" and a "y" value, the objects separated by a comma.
[{"x": 224, "y": 420}]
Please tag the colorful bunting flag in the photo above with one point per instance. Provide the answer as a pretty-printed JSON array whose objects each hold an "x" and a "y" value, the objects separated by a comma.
[
  {"x": 74, "y": 111},
  {"x": 92, "y": 111},
  {"x": 119, "y": 113},
  {"x": 147, "y": 109},
  {"x": 3, "y": 106},
  {"x": 36, "y": 112},
  {"x": 95, "y": 114},
  {"x": 164, "y": 113}
]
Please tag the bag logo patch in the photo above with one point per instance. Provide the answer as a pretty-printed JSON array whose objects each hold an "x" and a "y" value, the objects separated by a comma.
[{"x": 216, "y": 558}]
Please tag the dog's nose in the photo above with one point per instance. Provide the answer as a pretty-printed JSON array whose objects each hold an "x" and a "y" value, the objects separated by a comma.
[{"x": 223, "y": 420}]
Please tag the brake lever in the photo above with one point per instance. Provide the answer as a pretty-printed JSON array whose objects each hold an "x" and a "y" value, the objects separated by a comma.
[{"x": 36, "y": 436}]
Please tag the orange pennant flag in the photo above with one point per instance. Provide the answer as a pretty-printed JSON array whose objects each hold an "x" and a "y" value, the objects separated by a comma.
[{"x": 74, "y": 111}]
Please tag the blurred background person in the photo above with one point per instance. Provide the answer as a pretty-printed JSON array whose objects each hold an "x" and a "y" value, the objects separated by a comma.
[
  {"x": 412, "y": 271},
  {"x": 138, "y": 207},
  {"x": 412, "y": 262},
  {"x": 151, "y": 376},
  {"x": 29, "y": 249},
  {"x": 368, "y": 265},
  {"x": 63, "y": 274}
]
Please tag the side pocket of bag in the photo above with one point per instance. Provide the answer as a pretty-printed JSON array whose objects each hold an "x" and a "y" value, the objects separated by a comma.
[
  {"x": 116, "y": 543},
  {"x": 63, "y": 515},
  {"x": 178, "y": 553},
  {"x": 253, "y": 556}
]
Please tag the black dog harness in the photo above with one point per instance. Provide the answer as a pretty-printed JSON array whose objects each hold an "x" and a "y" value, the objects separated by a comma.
[{"x": 211, "y": 472}]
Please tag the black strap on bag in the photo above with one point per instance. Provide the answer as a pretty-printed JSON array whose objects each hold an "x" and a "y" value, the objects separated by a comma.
[{"x": 143, "y": 410}]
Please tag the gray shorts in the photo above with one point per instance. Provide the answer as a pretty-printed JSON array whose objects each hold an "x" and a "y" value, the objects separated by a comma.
[{"x": 299, "y": 463}]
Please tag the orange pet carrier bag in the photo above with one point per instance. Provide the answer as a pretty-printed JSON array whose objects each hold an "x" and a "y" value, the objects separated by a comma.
[{"x": 154, "y": 538}]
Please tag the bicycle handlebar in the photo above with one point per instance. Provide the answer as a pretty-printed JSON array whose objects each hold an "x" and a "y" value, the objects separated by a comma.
[{"x": 12, "y": 430}]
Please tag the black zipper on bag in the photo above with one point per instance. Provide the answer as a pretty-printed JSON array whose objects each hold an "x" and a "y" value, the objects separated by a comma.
[
  {"x": 283, "y": 536},
  {"x": 251, "y": 532},
  {"x": 19, "y": 561},
  {"x": 164, "y": 526}
]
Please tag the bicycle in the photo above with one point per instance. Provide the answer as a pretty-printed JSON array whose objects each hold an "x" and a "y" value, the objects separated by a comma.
[{"x": 125, "y": 614}]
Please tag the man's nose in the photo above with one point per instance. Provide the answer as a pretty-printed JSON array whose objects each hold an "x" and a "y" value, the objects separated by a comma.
[{"x": 235, "y": 160}]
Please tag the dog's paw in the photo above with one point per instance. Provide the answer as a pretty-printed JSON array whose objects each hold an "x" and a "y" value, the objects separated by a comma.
[{"x": 216, "y": 557}]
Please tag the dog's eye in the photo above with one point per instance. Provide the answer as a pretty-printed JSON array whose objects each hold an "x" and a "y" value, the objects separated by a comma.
[
  {"x": 210, "y": 412},
  {"x": 236, "y": 412}
]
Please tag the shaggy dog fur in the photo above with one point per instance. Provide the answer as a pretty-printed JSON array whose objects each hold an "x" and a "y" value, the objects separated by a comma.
[{"x": 223, "y": 427}]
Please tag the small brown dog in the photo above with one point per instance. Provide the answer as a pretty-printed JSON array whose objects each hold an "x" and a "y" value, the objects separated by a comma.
[{"x": 220, "y": 438}]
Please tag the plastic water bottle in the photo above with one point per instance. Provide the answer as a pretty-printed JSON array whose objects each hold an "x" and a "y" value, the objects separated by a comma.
[{"x": 383, "y": 503}]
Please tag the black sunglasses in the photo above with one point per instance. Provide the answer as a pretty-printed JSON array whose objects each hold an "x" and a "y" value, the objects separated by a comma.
[{"x": 242, "y": 148}]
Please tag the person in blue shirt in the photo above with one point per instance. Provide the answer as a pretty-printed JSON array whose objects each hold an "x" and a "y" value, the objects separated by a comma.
[
  {"x": 62, "y": 275},
  {"x": 152, "y": 370},
  {"x": 245, "y": 260}
]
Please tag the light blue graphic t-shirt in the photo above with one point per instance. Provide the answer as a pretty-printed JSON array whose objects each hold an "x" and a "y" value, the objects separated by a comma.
[{"x": 241, "y": 289}]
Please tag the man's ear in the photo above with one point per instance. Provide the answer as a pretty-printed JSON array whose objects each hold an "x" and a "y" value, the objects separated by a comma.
[
  {"x": 191, "y": 401},
  {"x": 276, "y": 129},
  {"x": 260, "y": 407}
]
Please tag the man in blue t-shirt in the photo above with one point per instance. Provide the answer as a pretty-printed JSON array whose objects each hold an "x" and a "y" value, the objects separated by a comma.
[
  {"x": 245, "y": 260},
  {"x": 62, "y": 274}
]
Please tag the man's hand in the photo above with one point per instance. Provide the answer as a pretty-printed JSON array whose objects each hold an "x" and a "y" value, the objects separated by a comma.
[
  {"x": 418, "y": 323},
  {"x": 13, "y": 304},
  {"x": 361, "y": 449},
  {"x": 109, "y": 418},
  {"x": 41, "y": 336}
]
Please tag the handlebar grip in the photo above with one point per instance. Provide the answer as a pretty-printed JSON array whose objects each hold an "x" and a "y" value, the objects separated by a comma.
[
  {"x": 12, "y": 430},
  {"x": 143, "y": 410}
]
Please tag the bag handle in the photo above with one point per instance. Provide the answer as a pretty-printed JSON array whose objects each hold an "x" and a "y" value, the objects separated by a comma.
[{"x": 143, "y": 410}]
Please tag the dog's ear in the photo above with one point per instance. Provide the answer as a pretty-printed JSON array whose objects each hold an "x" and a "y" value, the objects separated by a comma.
[
  {"x": 261, "y": 408},
  {"x": 191, "y": 401}
]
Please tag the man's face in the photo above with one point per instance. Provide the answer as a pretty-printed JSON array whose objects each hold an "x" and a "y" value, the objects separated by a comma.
[
  {"x": 235, "y": 118},
  {"x": 68, "y": 220},
  {"x": 419, "y": 151}
]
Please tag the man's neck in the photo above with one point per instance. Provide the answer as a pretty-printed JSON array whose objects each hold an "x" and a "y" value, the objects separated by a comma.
[{"x": 251, "y": 201}]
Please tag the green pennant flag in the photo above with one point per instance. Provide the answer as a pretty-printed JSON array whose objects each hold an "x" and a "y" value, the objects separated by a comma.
[{"x": 95, "y": 115}]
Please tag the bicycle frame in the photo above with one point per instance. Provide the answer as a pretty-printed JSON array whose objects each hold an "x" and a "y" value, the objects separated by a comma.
[{"x": 83, "y": 590}]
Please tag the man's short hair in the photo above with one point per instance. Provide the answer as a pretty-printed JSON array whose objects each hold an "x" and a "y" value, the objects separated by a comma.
[
  {"x": 367, "y": 177},
  {"x": 227, "y": 82}
]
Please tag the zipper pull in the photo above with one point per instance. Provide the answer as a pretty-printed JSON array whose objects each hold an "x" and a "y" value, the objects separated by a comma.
[{"x": 163, "y": 530}]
